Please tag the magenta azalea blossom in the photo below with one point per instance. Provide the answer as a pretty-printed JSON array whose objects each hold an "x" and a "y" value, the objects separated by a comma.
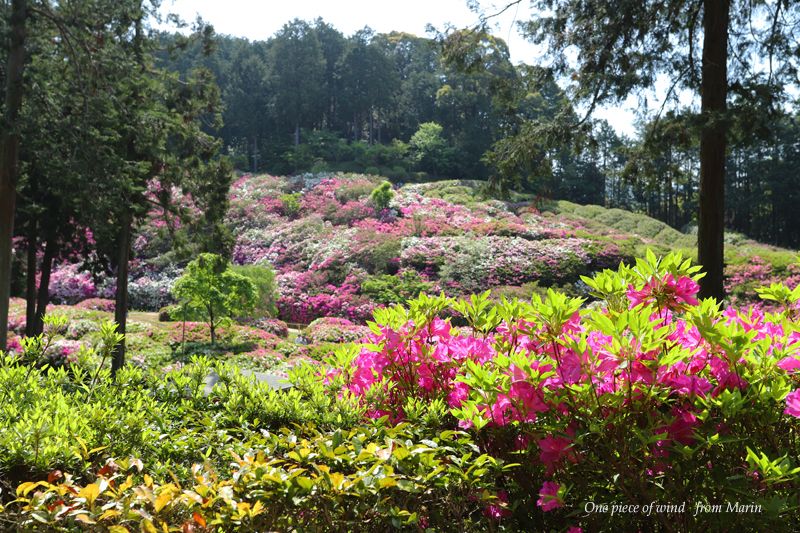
[
  {"x": 459, "y": 393},
  {"x": 548, "y": 496},
  {"x": 498, "y": 510},
  {"x": 793, "y": 404},
  {"x": 529, "y": 397},
  {"x": 553, "y": 449},
  {"x": 789, "y": 364},
  {"x": 667, "y": 293}
]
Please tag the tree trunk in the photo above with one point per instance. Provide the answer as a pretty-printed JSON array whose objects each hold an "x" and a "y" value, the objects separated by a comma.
[
  {"x": 9, "y": 155},
  {"x": 121, "y": 297},
  {"x": 30, "y": 279},
  {"x": 371, "y": 128},
  {"x": 297, "y": 134},
  {"x": 211, "y": 327},
  {"x": 43, "y": 297},
  {"x": 713, "y": 96}
]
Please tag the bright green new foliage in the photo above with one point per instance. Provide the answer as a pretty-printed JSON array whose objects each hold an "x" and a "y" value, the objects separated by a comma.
[
  {"x": 211, "y": 286},
  {"x": 382, "y": 195},
  {"x": 263, "y": 278}
]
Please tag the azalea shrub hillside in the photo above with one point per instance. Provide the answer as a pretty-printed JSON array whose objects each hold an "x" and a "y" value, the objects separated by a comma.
[
  {"x": 342, "y": 245},
  {"x": 545, "y": 414}
]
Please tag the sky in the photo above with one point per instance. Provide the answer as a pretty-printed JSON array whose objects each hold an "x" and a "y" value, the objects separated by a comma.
[{"x": 261, "y": 19}]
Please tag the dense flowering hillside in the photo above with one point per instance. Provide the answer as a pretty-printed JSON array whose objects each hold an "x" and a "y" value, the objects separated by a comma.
[
  {"x": 337, "y": 253},
  {"x": 326, "y": 239}
]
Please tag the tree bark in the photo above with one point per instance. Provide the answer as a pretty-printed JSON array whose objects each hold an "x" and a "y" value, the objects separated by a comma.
[
  {"x": 713, "y": 103},
  {"x": 211, "y": 327},
  {"x": 43, "y": 298},
  {"x": 30, "y": 279},
  {"x": 371, "y": 128},
  {"x": 9, "y": 155},
  {"x": 121, "y": 297}
]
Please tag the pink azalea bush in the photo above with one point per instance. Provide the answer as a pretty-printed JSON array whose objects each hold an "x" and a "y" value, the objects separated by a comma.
[
  {"x": 674, "y": 398},
  {"x": 335, "y": 330},
  {"x": 307, "y": 296},
  {"x": 271, "y": 325},
  {"x": 69, "y": 284},
  {"x": 97, "y": 304},
  {"x": 742, "y": 280}
]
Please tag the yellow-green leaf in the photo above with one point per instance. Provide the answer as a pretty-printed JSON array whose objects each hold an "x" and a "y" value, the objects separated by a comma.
[
  {"x": 90, "y": 493},
  {"x": 163, "y": 500},
  {"x": 258, "y": 508},
  {"x": 111, "y": 513},
  {"x": 84, "y": 518}
]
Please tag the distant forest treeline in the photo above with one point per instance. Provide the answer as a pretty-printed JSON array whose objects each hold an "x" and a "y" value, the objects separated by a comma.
[{"x": 312, "y": 99}]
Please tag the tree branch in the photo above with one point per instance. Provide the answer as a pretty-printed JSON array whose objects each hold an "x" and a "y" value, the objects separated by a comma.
[
  {"x": 692, "y": 25},
  {"x": 664, "y": 103},
  {"x": 484, "y": 18},
  {"x": 771, "y": 40}
]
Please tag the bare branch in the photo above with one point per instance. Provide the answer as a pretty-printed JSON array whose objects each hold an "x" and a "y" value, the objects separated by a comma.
[
  {"x": 771, "y": 40},
  {"x": 484, "y": 18},
  {"x": 692, "y": 25},
  {"x": 664, "y": 103}
]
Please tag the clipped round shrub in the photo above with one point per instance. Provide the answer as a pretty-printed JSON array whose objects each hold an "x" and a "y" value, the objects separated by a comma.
[
  {"x": 69, "y": 284},
  {"x": 97, "y": 304},
  {"x": 152, "y": 291},
  {"x": 62, "y": 353},
  {"x": 382, "y": 196},
  {"x": 271, "y": 325},
  {"x": 165, "y": 313},
  {"x": 329, "y": 329},
  {"x": 78, "y": 329}
]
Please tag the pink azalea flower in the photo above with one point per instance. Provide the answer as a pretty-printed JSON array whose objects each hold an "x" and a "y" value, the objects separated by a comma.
[
  {"x": 457, "y": 396},
  {"x": 789, "y": 364},
  {"x": 498, "y": 510},
  {"x": 528, "y": 397},
  {"x": 668, "y": 292},
  {"x": 793, "y": 404},
  {"x": 14, "y": 345},
  {"x": 682, "y": 428},
  {"x": 685, "y": 289},
  {"x": 503, "y": 411},
  {"x": 425, "y": 379},
  {"x": 465, "y": 424},
  {"x": 548, "y": 496},
  {"x": 553, "y": 449}
]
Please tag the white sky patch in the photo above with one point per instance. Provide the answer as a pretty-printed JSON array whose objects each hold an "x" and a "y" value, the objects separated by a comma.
[{"x": 261, "y": 19}]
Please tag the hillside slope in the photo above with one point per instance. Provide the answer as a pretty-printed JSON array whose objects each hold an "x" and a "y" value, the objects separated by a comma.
[{"x": 337, "y": 253}]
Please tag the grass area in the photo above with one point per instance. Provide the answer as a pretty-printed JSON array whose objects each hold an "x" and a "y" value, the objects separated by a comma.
[{"x": 645, "y": 232}]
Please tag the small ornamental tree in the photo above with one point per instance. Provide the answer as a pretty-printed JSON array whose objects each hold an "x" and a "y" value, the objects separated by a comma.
[
  {"x": 211, "y": 286},
  {"x": 382, "y": 195},
  {"x": 263, "y": 279}
]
